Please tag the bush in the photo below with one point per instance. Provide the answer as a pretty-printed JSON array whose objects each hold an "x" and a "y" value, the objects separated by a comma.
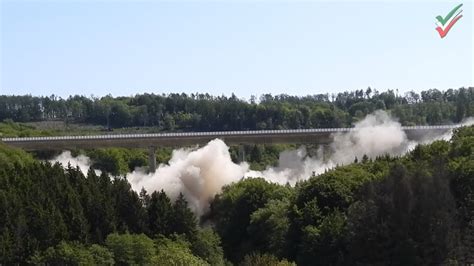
[
  {"x": 74, "y": 254},
  {"x": 264, "y": 260},
  {"x": 131, "y": 249}
]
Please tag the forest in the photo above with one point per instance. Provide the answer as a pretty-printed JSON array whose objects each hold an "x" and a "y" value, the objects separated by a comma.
[
  {"x": 417, "y": 209},
  {"x": 203, "y": 112}
]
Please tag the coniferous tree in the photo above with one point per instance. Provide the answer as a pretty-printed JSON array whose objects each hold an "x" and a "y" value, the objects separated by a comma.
[
  {"x": 131, "y": 217},
  {"x": 160, "y": 213},
  {"x": 183, "y": 219},
  {"x": 144, "y": 198}
]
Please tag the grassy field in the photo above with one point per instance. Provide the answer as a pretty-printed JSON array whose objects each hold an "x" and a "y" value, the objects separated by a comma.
[{"x": 59, "y": 128}]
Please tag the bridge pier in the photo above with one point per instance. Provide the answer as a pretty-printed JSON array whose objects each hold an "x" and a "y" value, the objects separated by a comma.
[
  {"x": 151, "y": 159},
  {"x": 324, "y": 150},
  {"x": 241, "y": 153}
]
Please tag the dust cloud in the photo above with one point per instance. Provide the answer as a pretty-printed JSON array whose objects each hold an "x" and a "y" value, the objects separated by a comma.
[
  {"x": 198, "y": 173},
  {"x": 376, "y": 134},
  {"x": 201, "y": 172},
  {"x": 81, "y": 161}
]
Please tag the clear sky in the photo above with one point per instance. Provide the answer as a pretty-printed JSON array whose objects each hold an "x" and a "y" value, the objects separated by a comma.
[{"x": 223, "y": 47}]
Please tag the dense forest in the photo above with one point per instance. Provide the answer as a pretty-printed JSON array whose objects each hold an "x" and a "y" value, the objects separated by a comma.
[
  {"x": 412, "y": 210},
  {"x": 203, "y": 112}
]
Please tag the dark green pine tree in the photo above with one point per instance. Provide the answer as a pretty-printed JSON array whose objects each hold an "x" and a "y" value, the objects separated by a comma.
[
  {"x": 70, "y": 205},
  {"x": 467, "y": 249},
  {"x": 130, "y": 214},
  {"x": 144, "y": 198},
  {"x": 98, "y": 207},
  {"x": 108, "y": 203},
  {"x": 160, "y": 213},
  {"x": 6, "y": 236},
  {"x": 256, "y": 154},
  {"x": 184, "y": 220}
]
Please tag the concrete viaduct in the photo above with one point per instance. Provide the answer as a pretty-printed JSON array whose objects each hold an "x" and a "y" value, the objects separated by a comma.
[{"x": 152, "y": 141}]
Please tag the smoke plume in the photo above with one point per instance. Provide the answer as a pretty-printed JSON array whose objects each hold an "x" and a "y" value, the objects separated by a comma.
[
  {"x": 200, "y": 173},
  {"x": 376, "y": 134},
  {"x": 81, "y": 161}
]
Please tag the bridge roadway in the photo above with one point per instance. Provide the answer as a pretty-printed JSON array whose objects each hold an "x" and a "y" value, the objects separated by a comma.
[
  {"x": 152, "y": 141},
  {"x": 299, "y": 136}
]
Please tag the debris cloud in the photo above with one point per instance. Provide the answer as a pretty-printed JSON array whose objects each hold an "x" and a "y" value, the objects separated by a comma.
[
  {"x": 201, "y": 172},
  {"x": 81, "y": 161},
  {"x": 198, "y": 173}
]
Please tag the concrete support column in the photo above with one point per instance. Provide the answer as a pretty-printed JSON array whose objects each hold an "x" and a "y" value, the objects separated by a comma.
[
  {"x": 151, "y": 159},
  {"x": 241, "y": 153},
  {"x": 325, "y": 151},
  {"x": 321, "y": 152}
]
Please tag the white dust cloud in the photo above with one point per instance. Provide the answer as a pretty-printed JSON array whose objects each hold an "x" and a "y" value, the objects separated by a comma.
[
  {"x": 376, "y": 134},
  {"x": 197, "y": 173},
  {"x": 81, "y": 161},
  {"x": 200, "y": 173},
  {"x": 293, "y": 165}
]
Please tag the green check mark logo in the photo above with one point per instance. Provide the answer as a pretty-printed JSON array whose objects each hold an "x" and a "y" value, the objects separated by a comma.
[
  {"x": 446, "y": 23},
  {"x": 450, "y": 14}
]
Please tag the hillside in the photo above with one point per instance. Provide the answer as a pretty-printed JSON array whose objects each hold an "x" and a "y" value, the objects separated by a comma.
[
  {"x": 203, "y": 112},
  {"x": 411, "y": 210}
]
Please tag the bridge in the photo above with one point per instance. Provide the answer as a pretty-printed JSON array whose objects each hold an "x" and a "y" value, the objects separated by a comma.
[{"x": 154, "y": 140}]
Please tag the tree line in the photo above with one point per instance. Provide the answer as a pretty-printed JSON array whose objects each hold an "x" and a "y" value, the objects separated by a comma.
[{"x": 200, "y": 112}]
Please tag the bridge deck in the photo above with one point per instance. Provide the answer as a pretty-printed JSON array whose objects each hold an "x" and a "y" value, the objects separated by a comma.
[{"x": 321, "y": 136}]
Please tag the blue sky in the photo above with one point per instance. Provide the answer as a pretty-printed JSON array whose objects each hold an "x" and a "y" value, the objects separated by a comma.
[{"x": 223, "y": 47}]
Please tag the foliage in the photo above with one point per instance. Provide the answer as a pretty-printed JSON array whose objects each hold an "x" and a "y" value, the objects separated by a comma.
[
  {"x": 207, "y": 245},
  {"x": 232, "y": 209},
  {"x": 8, "y": 128},
  {"x": 74, "y": 254},
  {"x": 42, "y": 205},
  {"x": 131, "y": 249},
  {"x": 183, "y": 219},
  {"x": 269, "y": 227},
  {"x": 411, "y": 210},
  {"x": 117, "y": 161},
  {"x": 416, "y": 209},
  {"x": 10, "y": 157},
  {"x": 199, "y": 112},
  {"x": 175, "y": 252},
  {"x": 264, "y": 260},
  {"x": 160, "y": 214}
]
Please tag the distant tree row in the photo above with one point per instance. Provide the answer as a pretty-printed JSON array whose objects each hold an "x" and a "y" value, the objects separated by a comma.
[{"x": 201, "y": 112}]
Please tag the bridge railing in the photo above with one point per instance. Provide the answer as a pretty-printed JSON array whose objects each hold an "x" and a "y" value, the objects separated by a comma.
[{"x": 211, "y": 133}]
